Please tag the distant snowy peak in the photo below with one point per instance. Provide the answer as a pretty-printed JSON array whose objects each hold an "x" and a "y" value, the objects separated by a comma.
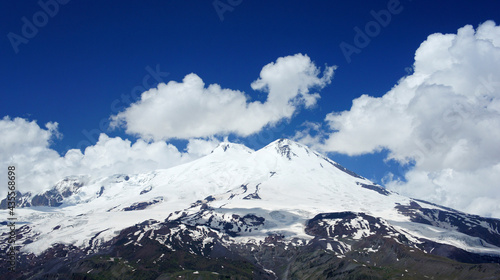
[
  {"x": 292, "y": 151},
  {"x": 52, "y": 197},
  {"x": 289, "y": 149},
  {"x": 228, "y": 147},
  {"x": 286, "y": 148},
  {"x": 227, "y": 167},
  {"x": 71, "y": 184},
  {"x": 283, "y": 147}
]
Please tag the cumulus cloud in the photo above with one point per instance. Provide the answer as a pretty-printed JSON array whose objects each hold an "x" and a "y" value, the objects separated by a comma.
[
  {"x": 190, "y": 109},
  {"x": 27, "y": 146},
  {"x": 444, "y": 120}
]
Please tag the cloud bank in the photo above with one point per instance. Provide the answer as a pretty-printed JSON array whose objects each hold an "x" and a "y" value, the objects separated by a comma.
[
  {"x": 444, "y": 120},
  {"x": 189, "y": 109}
]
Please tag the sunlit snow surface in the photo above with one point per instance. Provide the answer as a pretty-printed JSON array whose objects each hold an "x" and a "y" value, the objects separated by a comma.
[{"x": 285, "y": 183}]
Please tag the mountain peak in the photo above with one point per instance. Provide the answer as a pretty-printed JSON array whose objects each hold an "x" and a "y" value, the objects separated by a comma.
[
  {"x": 286, "y": 148},
  {"x": 283, "y": 141},
  {"x": 224, "y": 147}
]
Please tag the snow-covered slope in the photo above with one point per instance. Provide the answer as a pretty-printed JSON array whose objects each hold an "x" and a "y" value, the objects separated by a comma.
[{"x": 245, "y": 197}]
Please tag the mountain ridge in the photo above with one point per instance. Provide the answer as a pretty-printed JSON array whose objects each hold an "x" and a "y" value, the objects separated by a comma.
[{"x": 283, "y": 195}]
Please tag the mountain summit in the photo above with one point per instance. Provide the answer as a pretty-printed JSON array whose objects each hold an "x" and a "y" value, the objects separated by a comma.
[{"x": 284, "y": 211}]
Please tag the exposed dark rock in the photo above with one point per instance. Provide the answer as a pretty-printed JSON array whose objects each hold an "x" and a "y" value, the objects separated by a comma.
[
  {"x": 146, "y": 190},
  {"x": 379, "y": 189},
  {"x": 101, "y": 191},
  {"x": 283, "y": 148},
  {"x": 252, "y": 196},
  {"x": 209, "y": 198},
  {"x": 142, "y": 205},
  {"x": 171, "y": 249},
  {"x": 487, "y": 229}
]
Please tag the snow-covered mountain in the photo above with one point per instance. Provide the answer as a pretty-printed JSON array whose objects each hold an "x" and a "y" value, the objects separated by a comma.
[{"x": 281, "y": 212}]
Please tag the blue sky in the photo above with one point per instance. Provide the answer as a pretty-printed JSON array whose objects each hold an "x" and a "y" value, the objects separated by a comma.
[{"x": 89, "y": 60}]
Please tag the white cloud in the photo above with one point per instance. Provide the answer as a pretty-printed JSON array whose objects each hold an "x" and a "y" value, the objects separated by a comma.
[
  {"x": 18, "y": 136},
  {"x": 189, "y": 109},
  {"x": 27, "y": 146},
  {"x": 444, "y": 118}
]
